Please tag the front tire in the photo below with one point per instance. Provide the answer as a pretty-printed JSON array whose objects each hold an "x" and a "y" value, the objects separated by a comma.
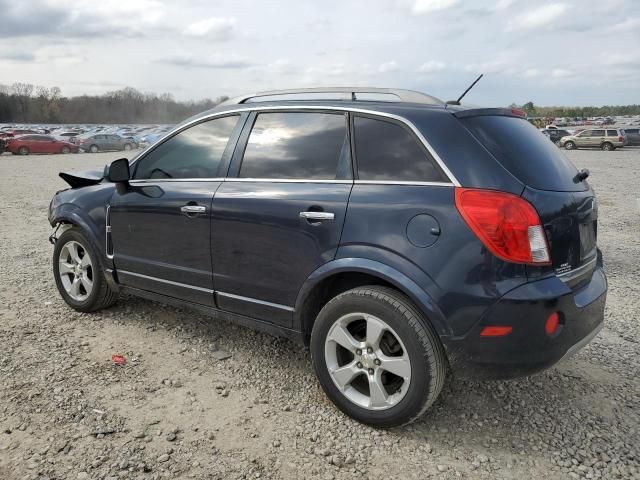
[
  {"x": 93, "y": 149},
  {"x": 65, "y": 150},
  {"x": 127, "y": 147},
  {"x": 569, "y": 145},
  {"x": 376, "y": 356},
  {"x": 79, "y": 275},
  {"x": 23, "y": 151}
]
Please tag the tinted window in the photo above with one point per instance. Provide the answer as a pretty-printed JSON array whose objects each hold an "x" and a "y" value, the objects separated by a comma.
[
  {"x": 597, "y": 133},
  {"x": 530, "y": 157},
  {"x": 612, "y": 133},
  {"x": 586, "y": 133},
  {"x": 193, "y": 153},
  {"x": 295, "y": 145},
  {"x": 388, "y": 151}
]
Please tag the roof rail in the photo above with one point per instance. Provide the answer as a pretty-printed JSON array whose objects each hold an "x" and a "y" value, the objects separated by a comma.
[{"x": 339, "y": 93}]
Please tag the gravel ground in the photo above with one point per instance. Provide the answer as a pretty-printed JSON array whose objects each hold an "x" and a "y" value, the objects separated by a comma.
[{"x": 180, "y": 409}]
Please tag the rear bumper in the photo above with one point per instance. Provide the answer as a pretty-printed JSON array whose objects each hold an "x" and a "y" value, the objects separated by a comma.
[{"x": 528, "y": 348}]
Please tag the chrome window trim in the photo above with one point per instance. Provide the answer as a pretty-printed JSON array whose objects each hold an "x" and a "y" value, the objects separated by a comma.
[
  {"x": 255, "y": 300},
  {"x": 285, "y": 180},
  {"x": 325, "y": 108},
  {"x": 164, "y": 180},
  {"x": 169, "y": 282},
  {"x": 402, "y": 182}
]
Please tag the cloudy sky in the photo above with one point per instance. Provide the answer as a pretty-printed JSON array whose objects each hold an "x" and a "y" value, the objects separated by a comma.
[{"x": 568, "y": 52}]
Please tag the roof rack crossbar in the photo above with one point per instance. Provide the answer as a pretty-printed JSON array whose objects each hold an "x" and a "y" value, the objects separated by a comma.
[{"x": 339, "y": 93}]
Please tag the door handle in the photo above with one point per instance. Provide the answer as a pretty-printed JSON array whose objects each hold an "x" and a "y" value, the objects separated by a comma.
[
  {"x": 192, "y": 209},
  {"x": 317, "y": 216}
]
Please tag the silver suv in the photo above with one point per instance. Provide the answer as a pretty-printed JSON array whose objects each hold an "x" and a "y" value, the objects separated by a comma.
[{"x": 603, "y": 138}]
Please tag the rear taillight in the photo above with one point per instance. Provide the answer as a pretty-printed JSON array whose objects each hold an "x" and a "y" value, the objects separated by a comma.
[
  {"x": 621, "y": 138},
  {"x": 506, "y": 224}
]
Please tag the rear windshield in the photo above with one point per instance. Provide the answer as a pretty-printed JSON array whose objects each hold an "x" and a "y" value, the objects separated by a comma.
[{"x": 525, "y": 152}]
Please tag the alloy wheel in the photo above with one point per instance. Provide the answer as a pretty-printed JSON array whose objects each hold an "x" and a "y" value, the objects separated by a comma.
[
  {"x": 367, "y": 361},
  {"x": 76, "y": 271}
]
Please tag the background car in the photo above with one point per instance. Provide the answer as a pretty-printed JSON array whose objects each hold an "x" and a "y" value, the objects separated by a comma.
[
  {"x": 603, "y": 138},
  {"x": 555, "y": 134},
  {"x": 633, "y": 136},
  {"x": 103, "y": 142},
  {"x": 26, "y": 144}
]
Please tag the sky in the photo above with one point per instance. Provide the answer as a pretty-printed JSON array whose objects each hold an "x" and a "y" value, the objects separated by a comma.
[{"x": 569, "y": 52}]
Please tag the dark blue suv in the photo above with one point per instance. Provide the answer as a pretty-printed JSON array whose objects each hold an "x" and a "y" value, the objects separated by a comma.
[{"x": 398, "y": 236}]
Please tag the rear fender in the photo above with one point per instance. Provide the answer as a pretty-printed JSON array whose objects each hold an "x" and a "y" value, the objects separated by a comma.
[{"x": 377, "y": 269}]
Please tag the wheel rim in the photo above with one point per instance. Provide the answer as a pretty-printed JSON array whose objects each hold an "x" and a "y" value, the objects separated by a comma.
[
  {"x": 75, "y": 269},
  {"x": 569, "y": 145},
  {"x": 367, "y": 361},
  {"x": 127, "y": 147},
  {"x": 65, "y": 150},
  {"x": 607, "y": 146},
  {"x": 94, "y": 149},
  {"x": 23, "y": 151}
]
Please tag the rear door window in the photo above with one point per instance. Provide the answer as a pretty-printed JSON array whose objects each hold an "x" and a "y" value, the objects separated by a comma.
[
  {"x": 296, "y": 145},
  {"x": 612, "y": 133},
  {"x": 387, "y": 151},
  {"x": 529, "y": 156}
]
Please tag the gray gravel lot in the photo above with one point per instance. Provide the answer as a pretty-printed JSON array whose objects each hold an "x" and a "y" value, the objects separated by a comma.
[{"x": 175, "y": 410}]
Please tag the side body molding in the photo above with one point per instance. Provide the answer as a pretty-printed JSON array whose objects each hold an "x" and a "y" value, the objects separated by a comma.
[{"x": 377, "y": 269}]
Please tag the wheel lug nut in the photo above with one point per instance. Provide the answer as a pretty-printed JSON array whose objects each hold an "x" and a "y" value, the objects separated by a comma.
[
  {"x": 369, "y": 350},
  {"x": 359, "y": 365},
  {"x": 371, "y": 371},
  {"x": 358, "y": 352},
  {"x": 377, "y": 361}
]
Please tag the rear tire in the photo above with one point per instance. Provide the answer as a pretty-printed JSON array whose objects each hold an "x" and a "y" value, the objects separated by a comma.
[
  {"x": 93, "y": 149},
  {"x": 65, "y": 150},
  {"x": 384, "y": 331},
  {"x": 127, "y": 147},
  {"x": 607, "y": 146},
  {"x": 569, "y": 145},
  {"x": 78, "y": 273},
  {"x": 23, "y": 151}
]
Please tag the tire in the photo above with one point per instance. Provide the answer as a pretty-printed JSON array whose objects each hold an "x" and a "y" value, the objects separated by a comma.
[
  {"x": 127, "y": 147},
  {"x": 607, "y": 146},
  {"x": 569, "y": 145},
  {"x": 85, "y": 299},
  {"x": 65, "y": 150},
  {"x": 407, "y": 337},
  {"x": 23, "y": 151},
  {"x": 93, "y": 149}
]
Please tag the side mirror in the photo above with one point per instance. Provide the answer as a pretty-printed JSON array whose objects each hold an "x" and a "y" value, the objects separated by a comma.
[{"x": 118, "y": 171}]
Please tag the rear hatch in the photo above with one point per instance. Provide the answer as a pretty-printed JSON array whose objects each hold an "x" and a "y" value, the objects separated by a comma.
[{"x": 566, "y": 205}]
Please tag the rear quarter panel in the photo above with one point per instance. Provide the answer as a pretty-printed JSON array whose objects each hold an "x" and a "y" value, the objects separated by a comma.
[{"x": 456, "y": 271}]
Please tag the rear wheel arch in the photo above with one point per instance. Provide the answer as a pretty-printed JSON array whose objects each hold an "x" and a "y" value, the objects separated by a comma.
[{"x": 342, "y": 275}]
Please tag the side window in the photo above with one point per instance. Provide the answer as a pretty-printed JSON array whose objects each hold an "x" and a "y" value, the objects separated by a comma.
[
  {"x": 388, "y": 151},
  {"x": 193, "y": 153},
  {"x": 612, "y": 133},
  {"x": 296, "y": 145},
  {"x": 586, "y": 133},
  {"x": 597, "y": 133}
]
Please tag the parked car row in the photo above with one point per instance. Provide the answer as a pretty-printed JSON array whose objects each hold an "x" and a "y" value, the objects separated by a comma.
[
  {"x": 90, "y": 138},
  {"x": 602, "y": 138}
]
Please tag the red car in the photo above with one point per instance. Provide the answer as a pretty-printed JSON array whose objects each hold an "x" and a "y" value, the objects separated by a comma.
[{"x": 26, "y": 144}]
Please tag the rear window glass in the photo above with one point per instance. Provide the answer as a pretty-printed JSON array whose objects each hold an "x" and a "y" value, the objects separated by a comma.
[{"x": 523, "y": 151}]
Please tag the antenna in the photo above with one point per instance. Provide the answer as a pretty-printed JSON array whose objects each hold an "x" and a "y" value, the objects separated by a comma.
[{"x": 457, "y": 102}]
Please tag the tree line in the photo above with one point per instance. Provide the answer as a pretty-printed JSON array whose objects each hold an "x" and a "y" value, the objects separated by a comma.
[
  {"x": 572, "y": 112},
  {"x": 27, "y": 103}
]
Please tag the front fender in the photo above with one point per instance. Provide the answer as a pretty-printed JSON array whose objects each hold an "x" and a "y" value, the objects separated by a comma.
[
  {"x": 382, "y": 271},
  {"x": 70, "y": 213}
]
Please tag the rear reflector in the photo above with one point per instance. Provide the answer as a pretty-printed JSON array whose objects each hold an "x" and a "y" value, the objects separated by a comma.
[
  {"x": 506, "y": 224},
  {"x": 552, "y": 324},
  {"x": 495, "y": 331}
]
